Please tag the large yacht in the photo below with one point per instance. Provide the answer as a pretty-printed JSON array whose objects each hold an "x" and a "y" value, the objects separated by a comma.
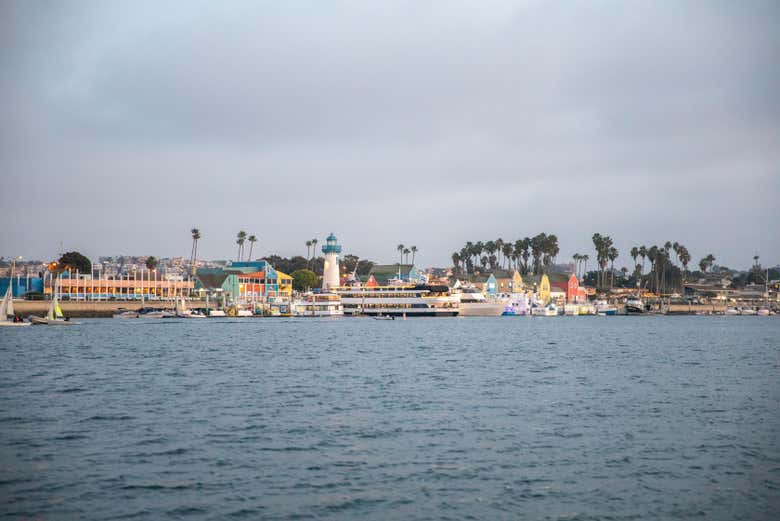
[
  {"x": 318, "y": 305},
  {"x": 401, "y": 299},
  {"x": 474, "y": 304}
]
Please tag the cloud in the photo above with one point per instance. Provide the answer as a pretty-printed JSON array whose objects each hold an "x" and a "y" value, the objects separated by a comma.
[{"x": 429, "y": 123}]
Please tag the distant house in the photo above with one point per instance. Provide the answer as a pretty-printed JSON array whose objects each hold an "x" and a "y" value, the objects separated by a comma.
[
  {"x": 382, "y": 273},
  {"x": 487, "y": 284},
  {"x": 508, "y": 281}
]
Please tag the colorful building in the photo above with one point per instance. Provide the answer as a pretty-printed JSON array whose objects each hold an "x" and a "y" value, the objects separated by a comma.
[{"x": 246, "y": 282}]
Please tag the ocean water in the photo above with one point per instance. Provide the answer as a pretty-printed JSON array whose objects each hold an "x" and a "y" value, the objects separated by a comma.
[{"x": 495, "y": 418}]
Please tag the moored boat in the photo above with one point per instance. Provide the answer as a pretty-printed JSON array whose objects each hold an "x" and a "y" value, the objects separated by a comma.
[
  {"x": 7, "y": 309},
  {"x": 318, "y": 305},
  {"x": 635, "y": 306},
  {"x": 604, "y": 308},
  {"x": 403, "y": 299}
]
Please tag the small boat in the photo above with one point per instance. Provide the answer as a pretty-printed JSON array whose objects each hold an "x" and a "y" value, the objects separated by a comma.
[
  {"x": 602, "y": 306},
  {"x": 318, "y": 305},
  {"x": 571, "y": 310},
  {"x": 635, "y": 306},
  {"x": 54, "y": 317},
  {"x": 383, "y": 317},
  {"x": 7, "y": 309},
  {"x": 763, "y": 312},
  {"x": 747, "y": 311},
  {"x": 731, "y": 312},
  {"x": 217, "y": 313},
  {"x": 551, "y": 310},
  {"x": 126, "y": 313}
]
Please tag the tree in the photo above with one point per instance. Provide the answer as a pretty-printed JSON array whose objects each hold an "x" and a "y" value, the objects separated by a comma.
[
  {"x": 537, "y": 251},
  {"x": 456, "y": 262},
  {"x": 304, "y": 280},
  {"x": 194, "y": 253},
  {"x": 75, "y": 261},
  {"x": 508, "y": 251},
  {"x": 414, "y": 252},
  {"x": 151, "y": 262},
  {"x": 240, "y": 238},
  {"x": 308, "y": 249},
  {"x": 612, "y": 255},
  {"x": 407, "y": 251},
  {"x": 400, "y": 248},
  {"x": 252, "y": 240}
]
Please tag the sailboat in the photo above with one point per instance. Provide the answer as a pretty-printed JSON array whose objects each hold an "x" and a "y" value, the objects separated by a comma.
[
  {"x": 54, "y": 317},
  {"x": 7, "y": 308}
]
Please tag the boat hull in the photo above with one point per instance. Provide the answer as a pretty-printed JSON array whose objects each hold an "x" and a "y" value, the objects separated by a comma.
[
  {"x": 14, "y": 324},
  {"x": 41, "y": 321},
  {"x": 481, "y": 309}
]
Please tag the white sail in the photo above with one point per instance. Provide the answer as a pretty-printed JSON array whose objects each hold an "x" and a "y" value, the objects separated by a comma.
[
  {"x": 10, "y": 309},
  {"x": 4, "y": 306},
  {"x": 53, "y": 303}
]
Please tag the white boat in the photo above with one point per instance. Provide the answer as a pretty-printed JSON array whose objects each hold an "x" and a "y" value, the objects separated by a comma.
[
  {"x": 635, "y": 306},
  {"x": 54, "y": 317},
  {"x": 318, "y": 305},
  {"x": 763, "y": 312},
  {"x": 551, "y": 310},
  {"x": 571, "y": 310},
  {"x": 410, "y": 300},
  {"x": 126, "y": 313},
  {"x": 7, "y": 309},
  {"x": 217, "y": 313},
  {"x": 474, "y": 304},
  {"x": 587, "y": 309},
  {"x": 731, "y": 312},
  {"x": 747, "y": 311},
  {"x": 603, "y": 307},
  {"x": 518, "y": 306}
]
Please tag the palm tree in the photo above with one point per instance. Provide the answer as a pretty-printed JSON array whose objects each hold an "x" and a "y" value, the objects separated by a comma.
[
  {"x": 685, "y": 258},
  {"x": 634, "y": 253},
  {"x": 308, "y": 250},
  {"x": 584, "y": 258},
  {"x": 576, "y": 258},
  {"x": 407, "y": 251},
  {"x": 499, "y": 247},
  {"x": 643, "y": 254},
  {"x": 507, "y": 250},
  {"x": 241, "y": 237},
  {"x": 612, "y": 254},
  {"x": 194, "y": 254},
  {"x": 400, "y": 248},
  {"x": 252, "y": 240},
  {"x": 456, "y": 262},
  {"x": 414, "y": 252}
]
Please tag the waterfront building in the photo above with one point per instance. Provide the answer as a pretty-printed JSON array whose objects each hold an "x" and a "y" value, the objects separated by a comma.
[
  {"x": 247, "y": 282},
  {"x": 508, "y": 281},
  {"x": 143, "y": 284},
  {"x": 330, "y": 272}
]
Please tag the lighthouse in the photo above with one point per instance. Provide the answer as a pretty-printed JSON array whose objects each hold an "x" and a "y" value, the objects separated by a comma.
[{"x": 330, "y": 273}]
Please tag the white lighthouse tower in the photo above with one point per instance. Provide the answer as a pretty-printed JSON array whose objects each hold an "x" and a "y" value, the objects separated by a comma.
[{"x": 330, "y": 274}]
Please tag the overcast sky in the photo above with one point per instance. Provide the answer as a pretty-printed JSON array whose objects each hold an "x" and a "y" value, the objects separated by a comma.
[{"x": 125, "y": 124}]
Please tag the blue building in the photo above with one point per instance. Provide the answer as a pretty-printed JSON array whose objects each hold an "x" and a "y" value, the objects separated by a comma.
[{"x": 21, "y": 285}]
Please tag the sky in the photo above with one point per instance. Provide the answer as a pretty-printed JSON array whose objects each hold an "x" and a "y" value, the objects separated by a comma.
[{"x": 125, "y": 124}]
